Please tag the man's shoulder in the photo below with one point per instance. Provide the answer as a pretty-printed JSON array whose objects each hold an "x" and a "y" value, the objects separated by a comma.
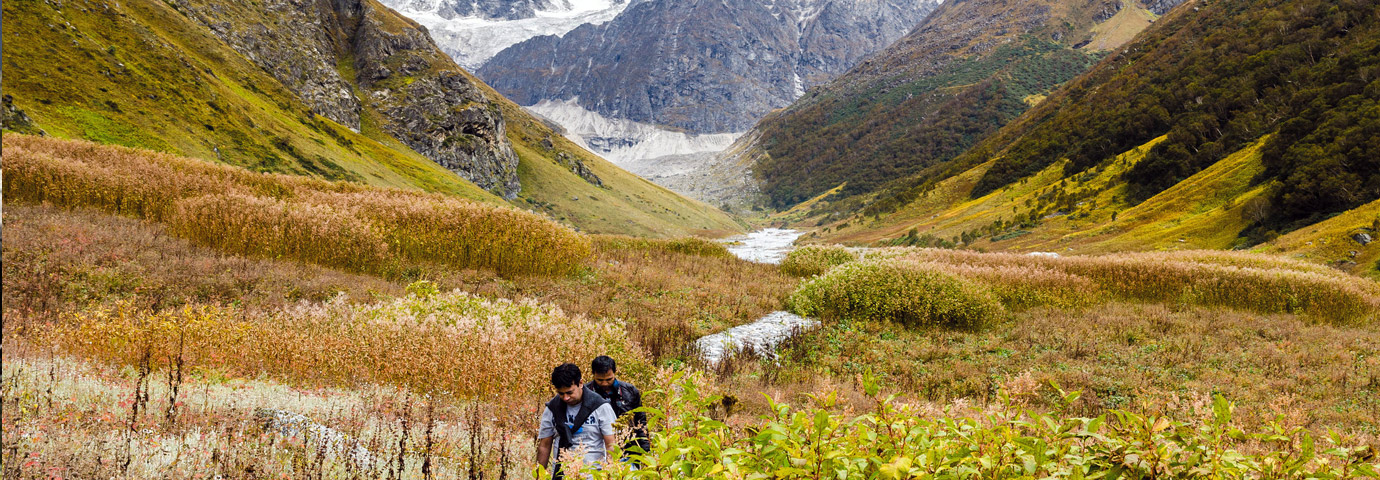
[
  {"x": 632, "y": 389},
  {"x": 604, "y": 410}
]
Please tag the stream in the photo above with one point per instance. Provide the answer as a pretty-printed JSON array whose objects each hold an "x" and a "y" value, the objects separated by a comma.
[{"x": 764, "y": 246}]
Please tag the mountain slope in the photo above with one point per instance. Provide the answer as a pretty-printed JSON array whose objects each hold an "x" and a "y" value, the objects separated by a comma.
[
  {"x": 1223, "y": 125},
  {"x": 700, "y": 66},
  {"x": 970, "y": 68},
  {"x": 343, "y": 90},
  {"x": 1214, "y": 79}
]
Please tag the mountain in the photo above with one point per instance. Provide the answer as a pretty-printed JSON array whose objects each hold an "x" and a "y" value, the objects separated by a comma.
[
  {"x": 700, "y": 66},
  {"x": 346, "y": 90},
  {"x": 1224, "y": 125},
  {"x": 970, "y": 68},
  {"x": 473, "y": 31}
]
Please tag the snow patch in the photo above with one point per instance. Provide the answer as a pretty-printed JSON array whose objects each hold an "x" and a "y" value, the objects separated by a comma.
[
  {"x": 625, "y": 142},
  {"x": 471, "y": 41}
]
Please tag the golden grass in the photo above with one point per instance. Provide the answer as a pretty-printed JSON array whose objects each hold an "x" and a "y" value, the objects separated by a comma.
[
  {"x": 71, "y": 418},
  {"x": 451, "y": 344},
  {"x": 361, "y": 228}
]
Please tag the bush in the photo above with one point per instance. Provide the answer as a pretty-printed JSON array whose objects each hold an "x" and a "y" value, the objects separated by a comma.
[
  {"x": 444, "y": 343},
  {"x": 339, "y": 224},
  {"x": 917, "y": 295},
  {"x": 686, "y": 245},
  {"x": 813, "y": 260},
  {"x": 1244, "y": 281}
]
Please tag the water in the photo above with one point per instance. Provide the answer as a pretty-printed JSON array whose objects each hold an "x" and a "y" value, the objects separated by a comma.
[
  {"x": 762, "y": 335},
  {"x": 765, "y": 246}
]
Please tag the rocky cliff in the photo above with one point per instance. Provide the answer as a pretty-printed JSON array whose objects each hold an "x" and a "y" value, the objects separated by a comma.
[
  {"x": 701, "y": 66},
  {"x": 340, "y": 55}
]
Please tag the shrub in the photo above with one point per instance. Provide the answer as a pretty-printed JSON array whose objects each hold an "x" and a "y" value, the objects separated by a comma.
[
  {"x": 294, "y": 217},
  {"x": 449, "y": 343},
  {"x": 813, "y": 260},
  {"x": 910, "y": 294},
  {"x": 1251, "y": 282},
  {"x": 686, "y": 245}
]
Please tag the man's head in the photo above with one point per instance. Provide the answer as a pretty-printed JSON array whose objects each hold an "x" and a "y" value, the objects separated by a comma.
[
  {"x": 605, "y": 371},
  {"x": 566, "y": 380}
]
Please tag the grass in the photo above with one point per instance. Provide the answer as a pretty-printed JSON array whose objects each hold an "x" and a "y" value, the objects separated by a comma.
[
  {"x": 144, "y": 75},
  {"x": 1332, "y": 241},
  {"x": 1153, "y": 358},
  {"x": 667, "y": 291},
  {"x": 55, "y": 406},
  {"x": 364, "y": 229},
  {"x": 1084, "y": 213},
  {"x": 350, "y": 362}
]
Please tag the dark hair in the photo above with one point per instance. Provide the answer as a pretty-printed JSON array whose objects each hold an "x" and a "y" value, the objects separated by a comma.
[
  {"x": 565, "y": 375},
  {"x": 603, "y": 364}
]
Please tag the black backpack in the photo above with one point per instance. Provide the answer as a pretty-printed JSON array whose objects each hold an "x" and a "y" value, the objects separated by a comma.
[{"x": 589, "y": 402}]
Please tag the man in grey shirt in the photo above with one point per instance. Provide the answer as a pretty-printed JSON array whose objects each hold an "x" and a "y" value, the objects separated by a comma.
[{"x": 581, "y": 420}]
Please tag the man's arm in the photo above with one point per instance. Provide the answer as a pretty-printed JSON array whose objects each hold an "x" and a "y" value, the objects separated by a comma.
[
  {"x": 544, "y": 451},
  {"x": 546, "y": 432}
]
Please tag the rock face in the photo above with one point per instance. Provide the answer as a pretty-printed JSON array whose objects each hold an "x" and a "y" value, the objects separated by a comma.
[
  {"x": 699, "y": 65},
  {"x": 423, "y": 98}
]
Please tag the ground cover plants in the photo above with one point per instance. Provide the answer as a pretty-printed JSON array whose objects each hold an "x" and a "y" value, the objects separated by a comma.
[
  {"x": 155, "y": 352},
  {"x": 364, "y": 229},
  {"x": 1245, "y": 281},
  {"x": 899, "y": 440}
]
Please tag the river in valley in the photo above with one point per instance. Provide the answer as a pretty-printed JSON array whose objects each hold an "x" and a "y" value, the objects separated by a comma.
[{"x": 765, "y": 246}]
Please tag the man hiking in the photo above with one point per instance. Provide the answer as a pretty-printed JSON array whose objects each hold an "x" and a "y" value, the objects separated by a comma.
[
  {"x": 623, "y": 397},
  {"x": 579, "y": 419}
]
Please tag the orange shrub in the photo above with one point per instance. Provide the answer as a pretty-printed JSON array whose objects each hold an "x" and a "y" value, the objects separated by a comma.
[{"x": 448, "y": 343}]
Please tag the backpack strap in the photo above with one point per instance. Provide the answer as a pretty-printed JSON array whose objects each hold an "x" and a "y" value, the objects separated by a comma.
[{"x": 589, "y": 402}]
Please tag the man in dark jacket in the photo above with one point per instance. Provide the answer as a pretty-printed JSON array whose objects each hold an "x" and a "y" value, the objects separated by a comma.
[
  {"x": 624, "y": 398},
  {"x": 581, "y": 420}
]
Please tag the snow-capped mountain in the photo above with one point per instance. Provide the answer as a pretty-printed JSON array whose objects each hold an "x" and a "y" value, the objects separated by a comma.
[
  {"x": 702, "y": 66},
  {"x": 473, "y": 31}
]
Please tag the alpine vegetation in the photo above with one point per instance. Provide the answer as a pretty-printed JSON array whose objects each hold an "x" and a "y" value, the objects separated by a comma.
[
  {"x": 1243, "y": 281},
  {"x": 338, "y": 224}
]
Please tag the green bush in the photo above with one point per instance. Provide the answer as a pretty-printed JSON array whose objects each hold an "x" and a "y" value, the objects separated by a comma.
[
  {"x": 912, "y": 295},
  {"x": 813, "y": 260}
]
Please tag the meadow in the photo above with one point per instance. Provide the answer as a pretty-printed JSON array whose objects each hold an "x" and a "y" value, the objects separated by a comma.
[{"x": 167, "y": 317}]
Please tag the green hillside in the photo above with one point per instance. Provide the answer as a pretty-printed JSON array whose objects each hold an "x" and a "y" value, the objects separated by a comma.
[
  {"x": 970, "y": 68},
  {"x": 1221, "y": 126},
  {"x": 146, "y": 74},
  {"x": 1214, "y": 79}
]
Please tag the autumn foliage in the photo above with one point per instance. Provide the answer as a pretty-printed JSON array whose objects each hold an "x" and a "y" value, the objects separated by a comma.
[{"x": 339, "y": 224}]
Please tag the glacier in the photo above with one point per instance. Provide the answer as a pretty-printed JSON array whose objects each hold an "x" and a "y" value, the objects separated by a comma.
[
  {"x": 473, "y": 40},
  {"x": 626, "y": 143}
]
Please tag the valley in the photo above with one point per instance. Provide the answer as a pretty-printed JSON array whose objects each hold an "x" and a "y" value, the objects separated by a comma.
[{"x": 825, "y": 238}]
